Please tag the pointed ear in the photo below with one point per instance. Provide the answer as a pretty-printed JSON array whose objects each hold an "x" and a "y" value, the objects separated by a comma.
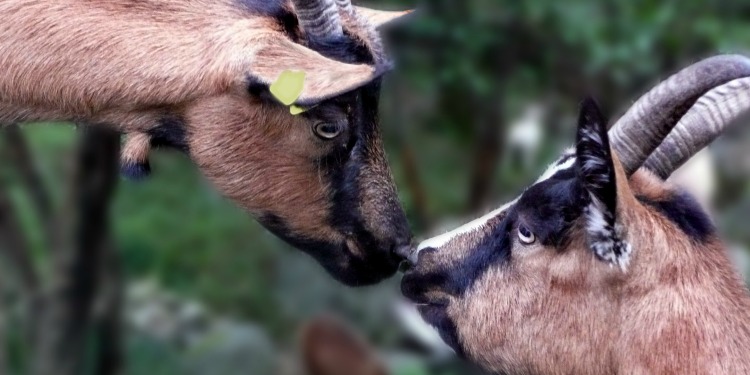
[
  {"x": 331, "y": 348},
  {"x": 598, "y": 181},
  {"x": 324, "y": 78},
  {"x": 379, "y": 18},
  {"x": 134, "y": 163}
]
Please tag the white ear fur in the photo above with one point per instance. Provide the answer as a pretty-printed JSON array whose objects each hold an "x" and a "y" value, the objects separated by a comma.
[
  {"x": 605, "y": 239},
  {"x": 596, "y": 173}
]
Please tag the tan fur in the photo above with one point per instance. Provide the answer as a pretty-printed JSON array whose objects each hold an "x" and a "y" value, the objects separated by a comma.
[
  {"x": 136, "y": 148},
  {"x": 267, "y": 167},
  {"x": 679, "y": 308},
  {"x": 74, "y": 59}
]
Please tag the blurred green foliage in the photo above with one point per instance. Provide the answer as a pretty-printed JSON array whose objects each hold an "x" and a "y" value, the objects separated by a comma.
[{"x": 464, "y": 67}]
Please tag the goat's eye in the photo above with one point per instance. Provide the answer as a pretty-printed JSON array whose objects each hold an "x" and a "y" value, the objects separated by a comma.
[
  {"x": 327, "y": 130},
  {"x": 525, "y": 235}
]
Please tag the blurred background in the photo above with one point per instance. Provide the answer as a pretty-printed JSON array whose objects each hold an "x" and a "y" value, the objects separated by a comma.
[{"x": 484, "y": 97}]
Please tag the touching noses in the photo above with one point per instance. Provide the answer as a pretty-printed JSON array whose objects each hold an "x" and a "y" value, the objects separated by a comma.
[
  {"x": 407, "y": 252},
  {"x": 411, "y": 254}
]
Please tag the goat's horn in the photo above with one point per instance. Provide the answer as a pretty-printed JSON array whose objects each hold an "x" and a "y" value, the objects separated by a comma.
[
  {"x": 645, "y": 125},
  {"x": 319, "y": 18},
  {"x": 346, "y": 6},
  {"x": 711, "y": 115},
  {"x": 366, "y": 30}
]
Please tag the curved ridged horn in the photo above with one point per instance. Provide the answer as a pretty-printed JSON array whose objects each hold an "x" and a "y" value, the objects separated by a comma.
[
  {"x": 319, "y": 18},
  {"x": 364, "y": 29},
  {"x": 346, "y": 6},
  {"x": 711, "y": 115},
  {"x": 645, "y": 125}
]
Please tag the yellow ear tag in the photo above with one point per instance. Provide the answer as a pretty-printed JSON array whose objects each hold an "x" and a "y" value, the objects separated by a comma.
[
  {"x": 296, "y": 110},
  {"x": 288, "y": 87}
]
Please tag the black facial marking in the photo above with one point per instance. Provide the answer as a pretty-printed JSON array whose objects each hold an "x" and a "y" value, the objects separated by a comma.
[
  {"x": 493, "y": 250},
  {"x": 170, "y": 133},
  {"x": 456, "y": 279},
  {"x": 259, "y": 89},
  {"x": 685, "y": 212},
  {"x": 437, "y": 317},
  {"x": 346, "y": 166},
  {"x": 550, "y": 208},
  {"x": 350, "y": 270}
]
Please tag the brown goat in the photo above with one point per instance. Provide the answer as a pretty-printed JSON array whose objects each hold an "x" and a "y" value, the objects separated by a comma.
[
  {"x": 601, "y": 267},
  {"x": 195, "y": 75}
]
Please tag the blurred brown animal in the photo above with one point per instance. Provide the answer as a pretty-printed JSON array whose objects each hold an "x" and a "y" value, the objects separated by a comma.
[
  {"x": 602, "y": 267},
  {"x": 195, "y": 76},
  {"x": 330, "y": 347}
]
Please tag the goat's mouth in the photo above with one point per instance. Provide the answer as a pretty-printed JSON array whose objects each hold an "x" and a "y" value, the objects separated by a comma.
[
  {"x": 421, "y": 291},
  {"x": 426, "y": 316},
  {"x": 356, "y": 265},
  {"x": 351, "y": 261},
  {"x": 425, "y": 333}
]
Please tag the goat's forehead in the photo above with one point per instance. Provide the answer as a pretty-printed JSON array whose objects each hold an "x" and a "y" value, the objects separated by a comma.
[
  {"x": 565, "y": 162},
  {"x": 473, "y": 226}
]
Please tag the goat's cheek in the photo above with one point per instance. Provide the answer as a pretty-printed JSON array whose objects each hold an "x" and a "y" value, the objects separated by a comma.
[
  {"x": 527, "y": 258},
  {"x": 480, "y": 324},
  {"x": 501, "y": 304}
]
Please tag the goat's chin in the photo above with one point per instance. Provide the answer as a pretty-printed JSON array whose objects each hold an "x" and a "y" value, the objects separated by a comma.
[
  {"x": 427, "y": 335},
  {"x": 345, "y": 260}
]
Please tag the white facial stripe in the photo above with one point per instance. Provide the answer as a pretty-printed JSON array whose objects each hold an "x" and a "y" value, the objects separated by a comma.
[
  {"x": 554, "y": 168},
  {"x": 441, "y": 240}
]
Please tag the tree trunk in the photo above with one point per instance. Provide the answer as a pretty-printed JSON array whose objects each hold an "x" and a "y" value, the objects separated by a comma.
[
  {"x": 14, "y": 248},
  {"x": 83, "y": 235},
  {"x": 4, "y": 365},
  {"x": 108, "y": 322}
]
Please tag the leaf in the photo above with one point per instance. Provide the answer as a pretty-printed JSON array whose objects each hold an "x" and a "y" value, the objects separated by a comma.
[{"x": 288, "y": 87}]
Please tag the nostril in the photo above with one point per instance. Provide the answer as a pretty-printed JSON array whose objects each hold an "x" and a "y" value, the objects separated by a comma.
[
  {"x": 407, "y": 252},
  {"x": 422, "y": 250}
]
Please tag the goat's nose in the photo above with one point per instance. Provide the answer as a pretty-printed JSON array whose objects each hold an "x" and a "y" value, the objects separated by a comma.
[{"x": 407, "y": 252}]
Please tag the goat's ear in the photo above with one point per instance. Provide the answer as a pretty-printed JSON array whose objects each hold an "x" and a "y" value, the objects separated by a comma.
[
  {"x": 329, "y": 347},
  {"x": 379, "y": 18},
  {"x": 324, "y": 78},
  {"x": 597, "y": 178},
  {"x": 134, "y": 163}
]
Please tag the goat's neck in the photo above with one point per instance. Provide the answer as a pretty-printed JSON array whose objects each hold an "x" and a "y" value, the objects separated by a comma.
[{"x": 685, "y": 308}]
